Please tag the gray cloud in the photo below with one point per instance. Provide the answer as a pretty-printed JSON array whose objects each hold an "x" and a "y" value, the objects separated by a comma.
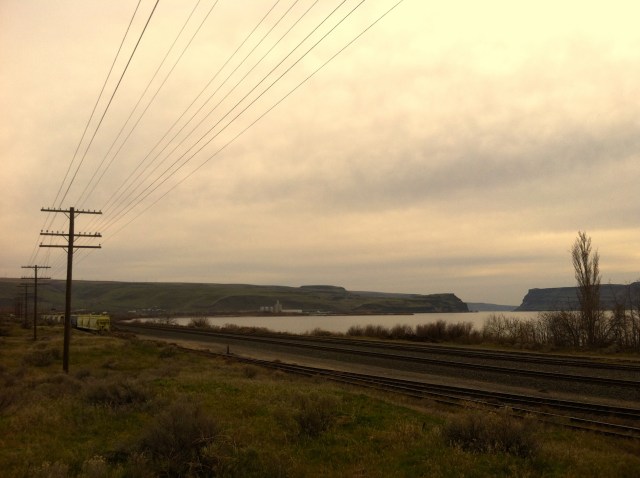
[{"x": 433, "y": 155}]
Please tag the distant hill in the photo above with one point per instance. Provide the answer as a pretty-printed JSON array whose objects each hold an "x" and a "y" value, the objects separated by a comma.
[
  {"x": 160, "y": 298},
  {"x": 566, "y": 298}
]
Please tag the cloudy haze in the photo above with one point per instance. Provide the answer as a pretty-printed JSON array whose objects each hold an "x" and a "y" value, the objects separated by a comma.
[{"x": 456, "y": 147}]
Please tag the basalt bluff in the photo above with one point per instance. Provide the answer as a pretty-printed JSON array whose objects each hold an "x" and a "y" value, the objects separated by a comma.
[{"x": 566, "y": 298}]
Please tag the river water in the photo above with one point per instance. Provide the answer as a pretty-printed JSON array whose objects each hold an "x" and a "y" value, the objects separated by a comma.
[{"x": 341, "y": 323}]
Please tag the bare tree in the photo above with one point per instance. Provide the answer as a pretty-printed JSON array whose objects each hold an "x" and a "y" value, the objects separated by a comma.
[
  {"x": 633, "y": 291},
  {"x": 587, "y": 272}
]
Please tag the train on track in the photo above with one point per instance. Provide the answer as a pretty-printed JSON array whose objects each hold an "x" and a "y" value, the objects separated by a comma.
[{"x": 93, "y": 322}]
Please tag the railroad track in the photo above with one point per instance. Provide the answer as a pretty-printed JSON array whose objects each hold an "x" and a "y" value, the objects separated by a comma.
[
  {"x": 409, "y": 354},
  {"x": 528, "y": 357},
  {"x": 571, "y": 414},
  {"x": 611, "y": 420}
]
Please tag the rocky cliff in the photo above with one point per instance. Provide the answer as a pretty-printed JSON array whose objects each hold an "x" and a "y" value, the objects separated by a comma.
[{"x": 566, "y": 298}]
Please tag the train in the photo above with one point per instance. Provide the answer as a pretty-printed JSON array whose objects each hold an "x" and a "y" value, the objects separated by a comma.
[{"x": 93, "y": 322}]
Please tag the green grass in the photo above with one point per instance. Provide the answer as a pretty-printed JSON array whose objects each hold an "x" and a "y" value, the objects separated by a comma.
[{"x": 109, "y": 418}]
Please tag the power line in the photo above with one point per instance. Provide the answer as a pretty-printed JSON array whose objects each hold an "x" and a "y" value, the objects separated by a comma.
[
  {"x": 167, "y": 173},
  {"x": 82, "y": 196},
  {"x": 45, "y": 226},
  {"x": 176, "y": 166},
  {"x": 193, "y": 129},
  {"x": 117, "y": 196},
  {"x": 353, "y": 40},
  {"x": 97, "y": 101},
  {"x": 109, "y": 103},
  {"x": 110, "y": 100}
]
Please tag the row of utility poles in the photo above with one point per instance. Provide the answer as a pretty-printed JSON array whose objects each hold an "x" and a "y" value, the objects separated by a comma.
[
  {"x": 70, "y": 247},
  {"x": 35, "y": 294}
]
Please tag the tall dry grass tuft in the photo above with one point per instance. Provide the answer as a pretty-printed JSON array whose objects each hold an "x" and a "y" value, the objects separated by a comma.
[
  {"x": 488, "y": 432},
  {"x": 177, "y": 440},
  {"x": 199, "y": 323},
  {"x": 315, "y": 413},
  {"x": 41, "y": 357},
  {"x": 50, "y": 470},
  {"x": 116, "y": 393}
]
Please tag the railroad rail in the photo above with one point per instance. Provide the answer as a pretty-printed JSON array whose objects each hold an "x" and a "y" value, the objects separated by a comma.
[
  {"x": 411, "y": 354},
  {"x": 569, "y": 414},
  {"x": 618, "y": 421}
]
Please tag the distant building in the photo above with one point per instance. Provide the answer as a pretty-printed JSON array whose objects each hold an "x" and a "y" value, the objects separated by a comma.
[{"x": 277, "y": 309}]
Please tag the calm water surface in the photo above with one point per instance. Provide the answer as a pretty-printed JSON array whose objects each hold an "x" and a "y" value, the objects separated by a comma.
[{"x": 341, "y": 323}]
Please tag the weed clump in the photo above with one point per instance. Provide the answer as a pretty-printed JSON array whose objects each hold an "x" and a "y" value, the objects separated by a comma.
[
  {"x": 315, "y": 413},
  {"x": 116, "y": 393},
  {"x": 501, "y": 432},
  {"x": 199, "y": 323},
  {"x": 177, "y": 441},
  {"x": 41, "y": 357},
  {"x": 168, "y": 352}
]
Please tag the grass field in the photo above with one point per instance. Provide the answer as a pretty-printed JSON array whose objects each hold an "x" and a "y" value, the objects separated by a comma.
[{"x": 131, "y": 408}]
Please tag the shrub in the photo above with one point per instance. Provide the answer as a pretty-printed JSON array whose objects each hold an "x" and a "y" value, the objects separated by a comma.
[
  {"x": 482, "y": 432},
  {"x": 402, "y": 332},
  {"x": 178, "y": 439},
  {"x": 115, "y": 394},
  {"x": 200, "y": 323},
  {"x": 41, "y": 357},
  {"x": 168, "y": 351},
  {"x": 95, "y": 467},
  {"x": 51, "y": 470},
  {"x": 432, "y": 332},
  {"x": 355, "y": 331},
  {"x": 315, "y": 413},
  {"x": 319, "y": 332}
]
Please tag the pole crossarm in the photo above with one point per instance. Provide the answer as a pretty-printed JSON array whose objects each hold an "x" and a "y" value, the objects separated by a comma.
[
  {"x": 79, "y": 234},
  {"x": 66, "y": 247},
  {"x": 70, "y": 210}
]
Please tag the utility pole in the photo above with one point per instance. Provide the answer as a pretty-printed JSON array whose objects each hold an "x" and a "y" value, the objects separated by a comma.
[
  {"x": 70, "y": 247},
  {"x": 25, "y": 286},
  {"x": 35, "y": 293}
]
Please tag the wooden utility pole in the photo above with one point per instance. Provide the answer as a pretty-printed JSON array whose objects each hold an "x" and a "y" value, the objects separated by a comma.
[
  {"x": 70, "y": 247},
  {"x": 26, "y": 297},
  {"x": 35, "y": 293}
]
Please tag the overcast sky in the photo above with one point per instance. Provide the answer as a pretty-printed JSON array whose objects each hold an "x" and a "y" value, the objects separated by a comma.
[{"x": 453, "y": 147}]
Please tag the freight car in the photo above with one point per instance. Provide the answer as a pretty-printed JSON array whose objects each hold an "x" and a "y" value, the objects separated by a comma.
[
  {"x": 52, "y": 318},
  {"x": 95, "y": 322}
]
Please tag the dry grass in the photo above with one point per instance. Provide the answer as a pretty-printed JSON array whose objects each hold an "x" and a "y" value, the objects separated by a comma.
[
  {"x": 489, "y": 432},
  {"x": 157, "y": 410}
]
